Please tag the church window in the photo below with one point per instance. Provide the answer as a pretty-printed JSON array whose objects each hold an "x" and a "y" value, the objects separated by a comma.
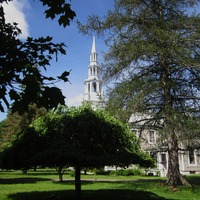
[
  {"x": 88, "y": 87},
  {"x": 164, "y": 160},
  {"x": 152, "y": 138},
  {"x": 192, "y": 160},
  {"x": 94, "y": 87}
]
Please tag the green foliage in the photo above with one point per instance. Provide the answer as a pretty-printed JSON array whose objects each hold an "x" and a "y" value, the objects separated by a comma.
[
  {"x": 127, "y": 172},
  {"x": 80, "y": 135},
  {"x": 21, "y": 62},
  {"x": 20, "y": 155},
  {"x": 15, "y": 124},
  {"x": 75, "y": 136},
  {"x": 102, "y": 172},
  {"x": 61, "y": 9},
  {"x": 72, "y": 173}
]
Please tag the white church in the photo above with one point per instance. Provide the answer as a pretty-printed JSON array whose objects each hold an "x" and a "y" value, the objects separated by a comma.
[{"x": 189, "y": 161}]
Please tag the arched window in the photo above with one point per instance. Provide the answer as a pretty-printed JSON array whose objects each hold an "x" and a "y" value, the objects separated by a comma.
[{"x": 94, "y": 87}]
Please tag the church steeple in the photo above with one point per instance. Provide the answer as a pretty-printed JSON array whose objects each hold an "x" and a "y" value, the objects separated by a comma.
[
  {"x": 93, "y": 84},
  {"x": 93, "y": 46},
  {"x": 93, "y": 55},
  {"x": 93, "y": 66}
]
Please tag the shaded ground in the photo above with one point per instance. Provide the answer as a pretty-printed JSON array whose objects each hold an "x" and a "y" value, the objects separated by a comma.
[
  {"x": 21, "y": 180},
  {"x": 88, "y": 195}
]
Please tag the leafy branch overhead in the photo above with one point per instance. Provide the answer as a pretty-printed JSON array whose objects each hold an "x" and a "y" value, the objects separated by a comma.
[
  {"x": 21, "y": 62},
  {"x": 59, "y": 8}
]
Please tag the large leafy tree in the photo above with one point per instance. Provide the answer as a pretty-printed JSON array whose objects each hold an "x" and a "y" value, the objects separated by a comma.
[
  {"x": 154, "y": 56},
  {"x": 78, "y": 137},
  {"x": 21, "y": 62},
  {"x": 84, "y": 138}
]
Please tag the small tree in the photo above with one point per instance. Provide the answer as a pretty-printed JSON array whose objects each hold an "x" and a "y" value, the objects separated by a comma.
[{"x": 82, "y": 137}]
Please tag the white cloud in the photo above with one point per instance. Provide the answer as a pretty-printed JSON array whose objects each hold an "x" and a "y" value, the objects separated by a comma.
[
  {"x": 75, "y": 100},
  {"x": 14, "y": 12}
]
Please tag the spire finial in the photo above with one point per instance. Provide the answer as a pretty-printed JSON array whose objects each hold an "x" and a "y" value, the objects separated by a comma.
[{"x": 93, "y": 46}]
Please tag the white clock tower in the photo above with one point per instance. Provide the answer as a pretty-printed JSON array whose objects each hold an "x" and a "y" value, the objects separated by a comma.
[{"x": 93, "y": 84}]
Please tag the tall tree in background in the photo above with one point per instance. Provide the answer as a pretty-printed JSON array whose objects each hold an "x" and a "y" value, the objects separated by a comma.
[
  {"x": 15, "y": 124},
  {"x": 154, "y": 56},
  {"x": 21, "y": 62}
]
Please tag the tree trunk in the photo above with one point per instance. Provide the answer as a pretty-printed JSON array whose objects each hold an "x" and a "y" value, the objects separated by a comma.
[
  {"x": 60, "y": 173},
  {"x": 173, "y": 175},
  {"x": 78, "y": 182}
]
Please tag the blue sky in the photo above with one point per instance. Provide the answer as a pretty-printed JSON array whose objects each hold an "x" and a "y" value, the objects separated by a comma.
[{"x": 29, "y": 15}]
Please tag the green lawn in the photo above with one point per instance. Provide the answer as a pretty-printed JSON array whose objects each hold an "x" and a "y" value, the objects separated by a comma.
[{"x": 44, "y": 185}]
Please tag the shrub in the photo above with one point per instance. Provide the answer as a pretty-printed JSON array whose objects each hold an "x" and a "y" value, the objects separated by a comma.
[
  {"x": 126, "y": 172},
  {"x": 102, "y": 172},
  {"x": 72, "y": 173}
]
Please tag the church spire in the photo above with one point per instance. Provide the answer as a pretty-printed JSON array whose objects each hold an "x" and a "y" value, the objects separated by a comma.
[
  {"x": 93, "y": 55},
  {"x": 94, "y": 84},
  {"x": 93, "y": 46}
]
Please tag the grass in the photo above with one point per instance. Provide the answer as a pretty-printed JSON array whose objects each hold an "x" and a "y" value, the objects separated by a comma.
[{"x": 44, "y": 185}]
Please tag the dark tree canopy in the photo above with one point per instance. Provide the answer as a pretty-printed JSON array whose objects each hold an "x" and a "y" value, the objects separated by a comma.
[
  {"x": 153, "y": 57},
  {"x": 86, "y": 135},
  {"x": 78, "y": 137},
  {"x": 20, "y": 154},
  {"x": 21, "y": 62}
]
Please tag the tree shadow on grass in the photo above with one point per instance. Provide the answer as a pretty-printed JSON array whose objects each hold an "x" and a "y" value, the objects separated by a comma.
[
  {"x": 87, "y": 195},
  {"x": 72, "y": 182},
  {"x": 194, "y": 180},
  {"x": 21, "y": 180}
]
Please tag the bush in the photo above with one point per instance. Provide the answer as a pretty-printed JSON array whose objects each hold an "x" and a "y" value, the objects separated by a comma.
[
  {"x": 126, "y": 172},
  {"x": 102, "y": 172},
  {"x": 72, "y": 173}
]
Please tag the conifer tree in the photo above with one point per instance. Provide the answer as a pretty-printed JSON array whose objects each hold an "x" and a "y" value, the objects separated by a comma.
[{"x": 153, "y": 58}]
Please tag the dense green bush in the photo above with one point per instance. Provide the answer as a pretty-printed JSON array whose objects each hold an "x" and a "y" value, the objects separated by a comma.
[
  {"x": 102, "y": 172},
  {"x": 72, "y": 173},
  {"x": 127, "y": 172}
]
